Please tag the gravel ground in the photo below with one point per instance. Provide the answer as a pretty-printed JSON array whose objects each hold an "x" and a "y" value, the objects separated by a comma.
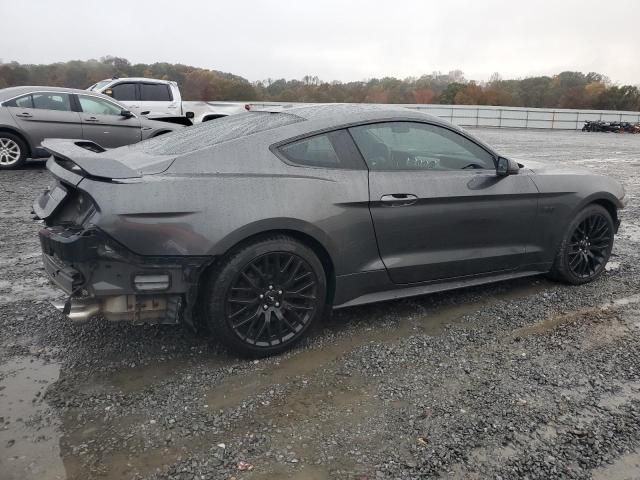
[{"x": 525, "y": 379}]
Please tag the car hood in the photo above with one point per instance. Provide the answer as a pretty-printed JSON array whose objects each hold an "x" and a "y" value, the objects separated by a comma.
[
  {"x": 159, "y": 124},
  {"x": 557, "y": 168}
]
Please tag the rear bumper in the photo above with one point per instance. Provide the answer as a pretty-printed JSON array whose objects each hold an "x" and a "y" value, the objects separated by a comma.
[{"x": 102, "y": 277}]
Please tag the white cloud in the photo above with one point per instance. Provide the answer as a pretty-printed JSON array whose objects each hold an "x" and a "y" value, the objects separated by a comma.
[{"x": 343, "y": 40}]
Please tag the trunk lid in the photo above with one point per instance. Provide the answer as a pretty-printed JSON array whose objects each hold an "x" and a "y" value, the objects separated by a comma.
[
  {"x": 72, "y": 161},
  {"x": 85, "y": 158}
]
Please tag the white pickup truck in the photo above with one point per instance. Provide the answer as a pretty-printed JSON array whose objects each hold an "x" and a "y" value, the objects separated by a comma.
[{"x": 161, "y": 100}]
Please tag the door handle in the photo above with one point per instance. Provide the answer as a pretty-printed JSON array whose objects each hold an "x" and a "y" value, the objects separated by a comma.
[
  {"x": 398, "y": 199},
  {"x": 24, "y": 115},
  {"x": 91, "y": 119}
]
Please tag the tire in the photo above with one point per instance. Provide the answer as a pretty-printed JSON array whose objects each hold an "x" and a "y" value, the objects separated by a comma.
[
  {"x": 586, "y": 247},
  {"x": 265, "y": 295},
  {"x": 13, "y": 151}
]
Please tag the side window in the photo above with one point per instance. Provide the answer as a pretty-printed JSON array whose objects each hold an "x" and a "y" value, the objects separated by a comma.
[
  {"x": 155, "y": 92},
  {"x": 317, "y": 151},
  {"x": 52, "y": 101},
  {"x": 98, "y": 106},
  {"x": 124, "y": 91},
  {"x": 418, "y": 146},
  {"x": 22, "y": 102}
]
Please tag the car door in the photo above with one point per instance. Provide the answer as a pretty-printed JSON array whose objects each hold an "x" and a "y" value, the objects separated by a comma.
[
  {"x": 156, "y": 98},
  {"x": 103, "y": 123},
  {"x": 46, "y": 115},
  {"x": 126, "y": 93},
  {"x": 439, "y": 209}
]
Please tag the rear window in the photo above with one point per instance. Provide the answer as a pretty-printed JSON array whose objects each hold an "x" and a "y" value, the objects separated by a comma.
[
  {"x": 52, "y": 101},
  {"x": 124, "y": 91},
  {"x": 211, "y": 133},
  {"x": 155, "y": 92}
]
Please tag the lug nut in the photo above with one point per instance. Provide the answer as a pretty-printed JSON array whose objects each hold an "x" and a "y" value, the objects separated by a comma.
[
  {"x": 261, "y": 296},
  {"x": 277, "y": 304},
  {"x": 270, "y": 287},
  {"x": 265, "y": 306},
  {"x": 279, "y": 292}
]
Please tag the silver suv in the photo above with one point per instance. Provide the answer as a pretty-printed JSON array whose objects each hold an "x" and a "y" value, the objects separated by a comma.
[{"x": 28, "y": 115}]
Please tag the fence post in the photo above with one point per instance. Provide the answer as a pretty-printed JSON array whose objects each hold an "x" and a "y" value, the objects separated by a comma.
[
  {"x": 477, "y": 115},
  {"x": 526, "y": 122}
]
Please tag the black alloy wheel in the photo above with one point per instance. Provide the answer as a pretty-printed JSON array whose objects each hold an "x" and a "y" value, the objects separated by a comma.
[
  {"x": 589, "y": 247},
  {"x": 586, "y": 247},
  {"x": 265, "y": 296},
  {"x": 272, "y": 299}
]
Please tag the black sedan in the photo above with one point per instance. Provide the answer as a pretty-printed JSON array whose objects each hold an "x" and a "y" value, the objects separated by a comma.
[{"x": 257, "y": 224}]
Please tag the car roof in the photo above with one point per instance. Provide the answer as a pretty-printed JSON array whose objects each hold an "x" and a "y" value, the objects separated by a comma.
[
  {"x": 335, "y": 114},
  {"x": 12, "y": 92},
  {"x": 278, "y": 124},
  {"x": 137, "y": 79}
]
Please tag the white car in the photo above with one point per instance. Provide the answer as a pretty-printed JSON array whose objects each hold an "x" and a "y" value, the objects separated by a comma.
[{"x": 162, "y": 98}]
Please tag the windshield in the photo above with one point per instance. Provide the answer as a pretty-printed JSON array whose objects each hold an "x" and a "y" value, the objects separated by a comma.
[{"x": 99, "y": 86}]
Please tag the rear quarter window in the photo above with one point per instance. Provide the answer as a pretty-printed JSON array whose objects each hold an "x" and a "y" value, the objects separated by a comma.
[
  {"x": 155, "y": 92},
  {"x": 21, "y": 102},
  {"x": 316, "y": 151}
]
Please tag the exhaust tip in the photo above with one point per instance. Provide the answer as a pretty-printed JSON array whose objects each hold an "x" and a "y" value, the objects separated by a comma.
[{"x": 80, "y": 311}]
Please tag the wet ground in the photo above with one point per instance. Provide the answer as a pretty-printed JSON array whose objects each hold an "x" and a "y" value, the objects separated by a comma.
[{"x": 525, "y": 379}]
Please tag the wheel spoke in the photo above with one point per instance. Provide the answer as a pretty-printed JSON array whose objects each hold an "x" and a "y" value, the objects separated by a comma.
[
  {"x": 272, "y": 299},
  {"x": 250, "y": 280},
  {"x": 588, "y": 247}
]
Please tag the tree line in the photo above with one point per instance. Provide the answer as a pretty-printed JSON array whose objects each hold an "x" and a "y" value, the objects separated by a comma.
[{"x": 563, "y": 90}]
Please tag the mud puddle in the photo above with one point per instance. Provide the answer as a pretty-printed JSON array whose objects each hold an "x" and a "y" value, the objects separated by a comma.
[
  {"x": 28, "y": 440},
  {"x": 625, "y": 468},
  {"x": 430, "y": 321},
  {"x": 139, "y": 378},
  {"x": 555, "y": 321}
]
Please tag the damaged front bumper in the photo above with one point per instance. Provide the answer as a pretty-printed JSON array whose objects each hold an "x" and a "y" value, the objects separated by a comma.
[{"x": 102, "y": 277}]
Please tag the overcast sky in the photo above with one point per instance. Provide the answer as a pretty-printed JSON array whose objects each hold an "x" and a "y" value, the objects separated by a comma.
[{"x": 334, "y": 39}]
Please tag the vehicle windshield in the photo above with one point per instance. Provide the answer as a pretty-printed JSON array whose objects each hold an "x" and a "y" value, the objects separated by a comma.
[{"x": 99, "y": 86}]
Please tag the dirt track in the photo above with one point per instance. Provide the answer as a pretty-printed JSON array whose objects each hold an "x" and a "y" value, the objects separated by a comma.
[{"x": 526, "y": 379}]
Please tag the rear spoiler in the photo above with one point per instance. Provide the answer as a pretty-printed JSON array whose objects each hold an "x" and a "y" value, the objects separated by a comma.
[{"x": 89, "y": 158}]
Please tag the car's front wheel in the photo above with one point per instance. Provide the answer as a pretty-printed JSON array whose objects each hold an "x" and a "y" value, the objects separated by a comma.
[
  {"x": 265, "y": 295},
  {"x": 13, "y": 151},
  {"x": 586, "y": 246}
]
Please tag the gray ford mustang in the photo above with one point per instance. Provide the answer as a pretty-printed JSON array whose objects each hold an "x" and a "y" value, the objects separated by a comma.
[{"x": 256, "y": 224}]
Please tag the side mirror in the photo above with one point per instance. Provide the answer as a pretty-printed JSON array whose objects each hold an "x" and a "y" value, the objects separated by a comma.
[
  {"x": 126, "y": 113},
  {"x": 190, "y": 115},
  {"x": 506, "y": 166},
  {"x": 109, "y": 92}
]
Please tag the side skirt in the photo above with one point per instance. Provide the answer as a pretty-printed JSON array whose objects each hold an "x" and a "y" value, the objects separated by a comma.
[{"x": 395, "y": 291}]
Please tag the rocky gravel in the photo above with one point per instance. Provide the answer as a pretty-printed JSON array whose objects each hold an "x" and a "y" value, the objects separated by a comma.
[{"x": 522, "y": 379}]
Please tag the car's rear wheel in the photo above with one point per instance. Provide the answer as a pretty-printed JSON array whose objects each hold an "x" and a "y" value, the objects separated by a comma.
[
  {"x": 265, "y": 296},
  {"x": 586, "y": 246},
  {"x": 13, "y": 151}
]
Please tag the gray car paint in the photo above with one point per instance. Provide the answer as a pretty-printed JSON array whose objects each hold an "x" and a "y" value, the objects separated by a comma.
[
  {"x": 467, "y": 228},
  {"x": 109, "y": 131}
]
